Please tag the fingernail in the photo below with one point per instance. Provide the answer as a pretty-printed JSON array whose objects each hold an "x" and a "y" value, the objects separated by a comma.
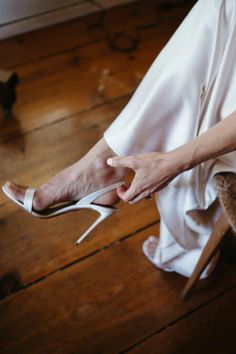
[{"x": 110, "y": 162}]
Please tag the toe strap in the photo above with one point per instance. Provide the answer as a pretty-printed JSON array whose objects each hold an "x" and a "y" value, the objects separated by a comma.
[{"x": 28, "y": 200}]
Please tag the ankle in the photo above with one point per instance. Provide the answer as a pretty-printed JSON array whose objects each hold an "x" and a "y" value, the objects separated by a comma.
[
  {"x": 99, "y": 155},
  {"x": 106, "y": 172}
]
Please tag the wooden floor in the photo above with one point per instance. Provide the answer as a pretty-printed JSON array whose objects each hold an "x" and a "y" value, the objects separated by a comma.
[{"x": 103, "y": 296}]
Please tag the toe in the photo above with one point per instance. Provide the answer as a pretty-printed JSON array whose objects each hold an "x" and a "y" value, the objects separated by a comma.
[
  {"x": 151, "y": 245},
  {"x": 16, "y": 190},
  {"x": 151, "y": 249},
  {"x": 152, "y": 238},
  {"x": 41, "y": 200}
]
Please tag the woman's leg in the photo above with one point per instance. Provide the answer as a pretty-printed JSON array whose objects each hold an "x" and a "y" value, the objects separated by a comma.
[
  {"x": 85, "y": 176},
  {"x": 168, "y": 93},
  {"x": 144, "y": 125}
]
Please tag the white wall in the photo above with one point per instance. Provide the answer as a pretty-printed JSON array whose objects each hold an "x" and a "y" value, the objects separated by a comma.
[{"x": 19, "y": 16}]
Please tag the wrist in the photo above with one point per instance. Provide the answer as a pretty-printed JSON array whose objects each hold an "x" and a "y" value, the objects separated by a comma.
[{"x": 182, "y": 158}]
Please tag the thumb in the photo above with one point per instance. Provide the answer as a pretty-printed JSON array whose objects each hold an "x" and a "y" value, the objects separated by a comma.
[
  {"x": 124, "y": 161},
  {"x": 127, "y": 192}
]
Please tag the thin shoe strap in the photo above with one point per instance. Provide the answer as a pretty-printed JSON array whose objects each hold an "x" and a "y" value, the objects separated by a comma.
[
  {"x": 28, "y": 200},
  {"x": 91, "y": 197}
]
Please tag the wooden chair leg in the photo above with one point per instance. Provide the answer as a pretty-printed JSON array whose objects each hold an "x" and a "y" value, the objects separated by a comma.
[{"x": 221, "y": 227}]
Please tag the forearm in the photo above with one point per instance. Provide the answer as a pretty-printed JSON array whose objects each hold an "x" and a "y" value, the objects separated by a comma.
[
  {"x": 155, "y": 170},
  {"x": 218, "y": 140}
]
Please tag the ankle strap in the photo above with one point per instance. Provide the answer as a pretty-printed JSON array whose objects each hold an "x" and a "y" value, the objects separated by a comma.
[{"x": 91, "y": 197}]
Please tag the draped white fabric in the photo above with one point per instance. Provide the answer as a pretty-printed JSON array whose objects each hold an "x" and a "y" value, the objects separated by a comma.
[{"x": 189, "y": 87}]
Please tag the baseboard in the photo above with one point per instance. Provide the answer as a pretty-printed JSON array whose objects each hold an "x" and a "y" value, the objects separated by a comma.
[{"x": 53, "y": 17}]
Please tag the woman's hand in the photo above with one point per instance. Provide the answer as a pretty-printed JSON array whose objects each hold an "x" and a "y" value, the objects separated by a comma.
[{"x": 153, "y": 171}]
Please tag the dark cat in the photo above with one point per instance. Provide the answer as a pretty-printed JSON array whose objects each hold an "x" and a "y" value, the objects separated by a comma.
[{"x": 8, "y": 82}]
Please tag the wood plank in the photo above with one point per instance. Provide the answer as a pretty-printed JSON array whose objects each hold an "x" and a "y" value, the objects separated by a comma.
[
  {"x": 78, "y": 32},
  {"x": 49, "y": 244},
  {"x": 32, "y": 248},
  {"x": 211, "y": 329},
  {"x": 70, "y": 34},
  {"x": 22, "y": 23},
  {"x": 35, "y": 157},
  {"x": 103, "y": 304},
  {"x": 74, "y": 81}
]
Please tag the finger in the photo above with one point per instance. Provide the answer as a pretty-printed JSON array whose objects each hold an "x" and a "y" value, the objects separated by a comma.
[
  {"x": 127, "y": 193},
  {"x": 122, "y": 189},
  {"x": 141, "y": 196},
  {"x": 125, "y": 161}
]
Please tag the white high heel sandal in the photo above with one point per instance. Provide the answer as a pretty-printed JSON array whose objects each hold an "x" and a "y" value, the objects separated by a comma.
[{"x": 84, "y": 203}]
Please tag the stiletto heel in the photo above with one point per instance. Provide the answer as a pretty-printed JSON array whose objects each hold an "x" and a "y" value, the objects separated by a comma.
[
  {"x": 103, "y": 215},
  {"x": 84, "y": 203}
]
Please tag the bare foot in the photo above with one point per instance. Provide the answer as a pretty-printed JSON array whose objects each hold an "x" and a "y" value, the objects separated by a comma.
[
  {"x": 151, "y": 246},
  {"x": 85, "y": 176}
]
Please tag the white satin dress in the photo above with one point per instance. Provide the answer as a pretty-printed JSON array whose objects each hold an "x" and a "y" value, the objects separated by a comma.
[{"x": 190, "y": 87}]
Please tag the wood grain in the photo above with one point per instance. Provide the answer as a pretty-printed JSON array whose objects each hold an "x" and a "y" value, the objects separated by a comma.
[
  {"x": 80, "y": 32},
  {"x": 211, "y": 329},
  {"x": 49, "y": 244},
  {"x": 73, "y": 81},
  {"x": 103, "y": 304},
  {"x": 32, "y": 248},
  {"x": 33, "y": 149}
]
